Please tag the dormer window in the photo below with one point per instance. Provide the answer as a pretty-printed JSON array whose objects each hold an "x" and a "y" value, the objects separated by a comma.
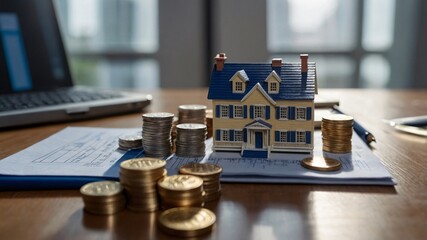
[
  {"x": 273, "y": 81},
  {"x": 238, "y": 81},
  {"x": 272, "y": 88},
  {"x": 238, "y": 86}
]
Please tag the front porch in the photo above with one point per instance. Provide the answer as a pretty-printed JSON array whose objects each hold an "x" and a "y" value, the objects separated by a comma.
[{"x": 256, "y": 142}]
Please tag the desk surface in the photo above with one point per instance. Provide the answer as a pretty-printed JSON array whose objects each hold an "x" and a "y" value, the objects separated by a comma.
[{"x": 251, "y": 211}]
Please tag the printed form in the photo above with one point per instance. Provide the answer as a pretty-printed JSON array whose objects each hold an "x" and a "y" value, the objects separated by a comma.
[
  {"x": 84, "y": 151},
  {"x": 74, "y": 151}
]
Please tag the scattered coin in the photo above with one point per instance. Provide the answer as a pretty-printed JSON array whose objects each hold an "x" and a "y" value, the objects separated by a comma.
[
  {"x": 103, "y": 197},
  {"x": 187, "y": 221},
  {"x": 323, "y": 164}
]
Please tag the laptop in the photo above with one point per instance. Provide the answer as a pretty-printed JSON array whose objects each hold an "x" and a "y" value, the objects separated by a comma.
[{"x": 35, "y": 80}]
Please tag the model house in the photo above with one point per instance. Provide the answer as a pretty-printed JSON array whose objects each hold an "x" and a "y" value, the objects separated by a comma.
[{"x": 263, "y": 107}]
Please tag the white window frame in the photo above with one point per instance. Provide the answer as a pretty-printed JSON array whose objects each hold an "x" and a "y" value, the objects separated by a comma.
[
  {"x": 238, "y": 111},
  {"x": 270, "y": 87},
  {"x": 238, "y": 87},
  {"x": 259, "y": 111},
  {"x": 225, "y": 111},
  {"x": 283, "y": 136},
  {"x": 238, "y": 135},
  {"x": 283, "y": 113},
  {"x": 300, "y": 113},
  {"x": 225, "y": 136},
  {"x": 300, "y": 137}
]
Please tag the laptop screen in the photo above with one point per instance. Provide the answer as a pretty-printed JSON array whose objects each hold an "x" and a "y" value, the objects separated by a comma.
[{"x": 32, "y": 56}]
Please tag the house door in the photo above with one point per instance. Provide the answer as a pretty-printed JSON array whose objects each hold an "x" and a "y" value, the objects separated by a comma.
[{"x": 258, "y": 139}]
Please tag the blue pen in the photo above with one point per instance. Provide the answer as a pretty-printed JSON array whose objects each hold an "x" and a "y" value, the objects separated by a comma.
[{"x": 361, "y": 131}]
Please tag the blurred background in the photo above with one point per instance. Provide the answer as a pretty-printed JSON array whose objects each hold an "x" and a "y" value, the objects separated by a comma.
[{"x": 171, "y": 44}]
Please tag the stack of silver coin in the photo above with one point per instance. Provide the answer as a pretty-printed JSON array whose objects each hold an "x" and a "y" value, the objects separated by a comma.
[
  {"x": 156, "y": 134},
  {"x": 130, "y": 142},
  {"x": 190, "y": 141},
  {"x": 192, "y": 113}
]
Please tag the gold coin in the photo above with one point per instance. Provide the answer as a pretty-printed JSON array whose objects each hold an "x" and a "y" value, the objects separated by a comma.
[
  {"x": 143, "y": 164},
  {"x": 337, "y": 117},
  {"x": 180, "y": 182},
  {"x": 187, "y": 221},
  {"x": 183, "y": 203},
  {"x": 101, "y": 188},
  {"x": 102, "y": 200},
  {"x": 213, "y": 196},
  {"x": 319, "y": 163},
  {"x": 200, "y": 169},
  {"x": 134, "y": 208}
]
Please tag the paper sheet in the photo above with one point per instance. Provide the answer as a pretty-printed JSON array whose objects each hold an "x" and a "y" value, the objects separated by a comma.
[
  {"x": 81, "y": 151},
  {"x": 74, "y": 151},
  {"x": 359, "y": 167}
]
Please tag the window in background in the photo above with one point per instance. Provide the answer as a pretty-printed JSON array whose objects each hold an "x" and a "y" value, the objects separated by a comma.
[
  {"x": 311, "y": 25},
  {"x": 377, "y": 38},
  {"x": 345, "y": 37},
  {"x": 112, "y": 43}
]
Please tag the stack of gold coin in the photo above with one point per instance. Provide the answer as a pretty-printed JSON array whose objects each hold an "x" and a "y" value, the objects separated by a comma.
[
  {"x": 187, "y": 221},
  {"x": 173, "y": 133},
  {"x": 139, "y": 177},
  {"x": 190, "y": 140},
  {"x": 156, "y": 134},
  {"x": 181, "y": 191},
  {"x": 210, "y": 173},
  {"x": 337, "y": 130},
  {"x": 192, "y": 113},
  {"x": 209, "y": 122},
  {"x": 103, "y": 197}
]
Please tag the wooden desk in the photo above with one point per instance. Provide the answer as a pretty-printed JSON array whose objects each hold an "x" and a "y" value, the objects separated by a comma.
[{"x": 251, "y": 211}]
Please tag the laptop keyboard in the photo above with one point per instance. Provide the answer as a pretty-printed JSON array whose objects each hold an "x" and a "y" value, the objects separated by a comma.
[{"x": 48, "y": 98}]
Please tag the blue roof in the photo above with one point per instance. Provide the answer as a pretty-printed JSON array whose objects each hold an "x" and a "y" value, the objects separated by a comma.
[{"x": 294, "y": 84}]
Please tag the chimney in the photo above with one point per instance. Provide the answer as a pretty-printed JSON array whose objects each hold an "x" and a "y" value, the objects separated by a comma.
[
  {"x": 304, "y": 64},
  {"x": 219, "y": 60},
  {"x": 276, "y": 62}
]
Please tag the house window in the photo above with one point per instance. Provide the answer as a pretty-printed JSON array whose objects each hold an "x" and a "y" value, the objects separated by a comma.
[
  {"x": 283, "y": 137},
  {"x": 300, "y": 136},
  {"x": 259, "y": 111},
  {"x": 238, "y": 135},
  {"x": 238, "y": 111},
  {"x": 238, "y": 86},
  {"x": 283, "y": 114},
  {"x": 300, "y": 114},
  {"x": 224, "y": 111},
  {"x": 224, "y": 135},
  {"x": 273, "y": 87}
]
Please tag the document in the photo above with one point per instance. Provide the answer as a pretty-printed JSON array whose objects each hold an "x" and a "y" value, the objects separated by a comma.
[
  {"x": 361, "y": 167},
  {"x": 72, "y": 152},
  {"x": 77, "y": 155}
]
